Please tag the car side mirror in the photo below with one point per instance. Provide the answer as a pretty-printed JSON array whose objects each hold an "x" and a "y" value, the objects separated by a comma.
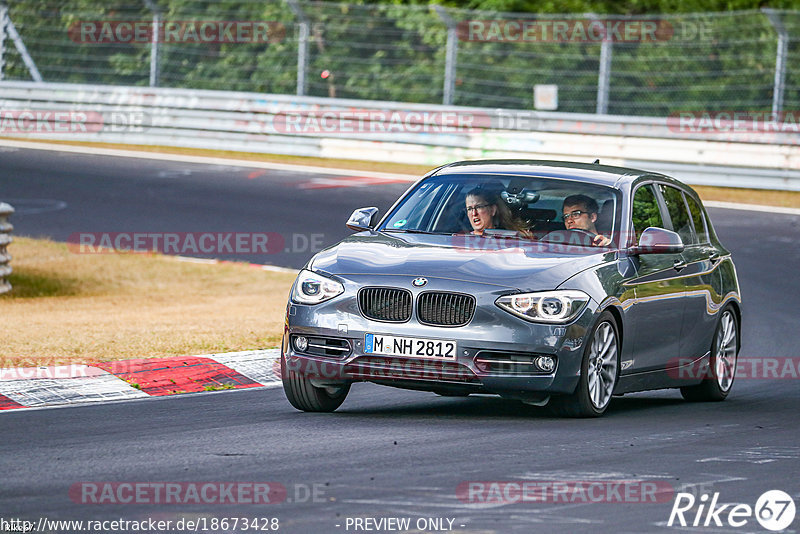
[
  {"x": 658, "y": 241},
  {"x": 362, "y": 219}
]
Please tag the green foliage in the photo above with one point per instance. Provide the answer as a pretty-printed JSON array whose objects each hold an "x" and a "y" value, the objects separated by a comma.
[
  {"x": 396, "y": 51},
  {"x": 645, "y": 210},
  {"x": 620, "y": 7}
]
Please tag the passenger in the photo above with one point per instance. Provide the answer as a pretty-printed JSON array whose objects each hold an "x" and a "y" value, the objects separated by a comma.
[
  {"x": 486, "y": 210},
  {"x": 580, "y": 213}
]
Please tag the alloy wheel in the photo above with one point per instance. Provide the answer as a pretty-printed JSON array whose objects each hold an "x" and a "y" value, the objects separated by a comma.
[{"x": 602, "y": 365}]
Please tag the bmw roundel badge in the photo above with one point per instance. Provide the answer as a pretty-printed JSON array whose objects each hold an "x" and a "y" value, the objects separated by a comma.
[{"x": 419, "y": 282}]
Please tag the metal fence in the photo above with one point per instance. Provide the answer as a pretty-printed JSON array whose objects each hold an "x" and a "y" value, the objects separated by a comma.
[
  {"x": 646, "y": 66},
  {"x": 5, "y": 238}
]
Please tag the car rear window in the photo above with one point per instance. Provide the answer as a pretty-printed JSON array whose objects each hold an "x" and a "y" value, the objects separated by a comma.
[
  {"x": 700, "y": 228},
  {"x": 678, "y": 213},
  {"x": 645, "y": 210}
]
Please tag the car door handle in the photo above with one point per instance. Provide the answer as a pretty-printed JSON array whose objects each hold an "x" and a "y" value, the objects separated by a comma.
[
  {"x": 679, "y": 265},
  {"x": 714, "y": 257}
]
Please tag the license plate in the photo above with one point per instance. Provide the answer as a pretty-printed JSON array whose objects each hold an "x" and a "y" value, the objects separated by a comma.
[{"x": 409, "y": 346}]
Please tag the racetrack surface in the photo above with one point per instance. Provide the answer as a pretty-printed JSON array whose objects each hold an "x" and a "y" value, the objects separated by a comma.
[
  {"x": 385, "y": 452},
  {"x": 62, "y": 194}
]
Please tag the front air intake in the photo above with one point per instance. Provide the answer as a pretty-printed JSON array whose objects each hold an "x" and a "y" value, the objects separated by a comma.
[
  {"x": 445, "y": 309},
  {"x": 387, "y": 304}
]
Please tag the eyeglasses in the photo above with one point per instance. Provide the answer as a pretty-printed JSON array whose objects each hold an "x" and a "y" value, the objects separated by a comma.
[
  {"x": 481, "y": 207},
  {"x": 574, "y": 214}
]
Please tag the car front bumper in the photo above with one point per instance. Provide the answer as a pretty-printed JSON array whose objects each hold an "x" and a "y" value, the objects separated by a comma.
[{"x": 492, "y": 335}]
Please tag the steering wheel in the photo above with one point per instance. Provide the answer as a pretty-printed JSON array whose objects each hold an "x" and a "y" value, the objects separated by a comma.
[{"x": 564, "y": 238}]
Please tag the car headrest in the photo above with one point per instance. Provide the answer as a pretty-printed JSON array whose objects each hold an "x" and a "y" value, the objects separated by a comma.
[
  {"x": 605, "y": 218},
  {"x": 539, "y": 214}
]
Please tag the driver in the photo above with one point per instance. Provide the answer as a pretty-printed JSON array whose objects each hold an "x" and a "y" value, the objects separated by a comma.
[{"x": 580, "y": 213}]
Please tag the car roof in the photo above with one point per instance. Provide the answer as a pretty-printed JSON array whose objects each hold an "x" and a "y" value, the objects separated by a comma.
[{"x": 588, "y": 172}]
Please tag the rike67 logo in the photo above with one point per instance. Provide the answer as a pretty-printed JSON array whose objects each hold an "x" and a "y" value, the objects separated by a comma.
[{"x": 774, "y": 510}]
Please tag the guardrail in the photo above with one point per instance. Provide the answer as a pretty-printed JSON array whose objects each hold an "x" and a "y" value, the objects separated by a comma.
[
  {"x": 5, "y": 238},
  {"x": 760, "y": 157}
]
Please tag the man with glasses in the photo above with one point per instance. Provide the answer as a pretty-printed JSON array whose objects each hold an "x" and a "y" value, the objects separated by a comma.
[{"x": 580, "y": 213}]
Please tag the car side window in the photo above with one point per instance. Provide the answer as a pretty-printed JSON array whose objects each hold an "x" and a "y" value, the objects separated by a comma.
[
  {"x": 681, "y": 223},
  {"x": 699, "y": 221},
  {"x": 645, "y": 210}
]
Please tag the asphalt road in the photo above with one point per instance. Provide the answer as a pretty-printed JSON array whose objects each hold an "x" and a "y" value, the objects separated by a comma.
[
  {"x": 386, "y": 453},
  {"x": 62, "y": 194}
]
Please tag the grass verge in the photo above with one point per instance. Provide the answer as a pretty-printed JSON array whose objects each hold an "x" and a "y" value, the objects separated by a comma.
[{"x": 67, "y": 308}]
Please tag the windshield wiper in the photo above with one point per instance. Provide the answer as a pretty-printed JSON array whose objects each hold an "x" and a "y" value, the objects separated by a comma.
[
  {"x": 411, "y": 231},
  {"x": 497, "y": 233}
]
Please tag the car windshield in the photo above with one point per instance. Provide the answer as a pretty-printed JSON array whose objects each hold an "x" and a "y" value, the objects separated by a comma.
[{"x": 509, "y": 206}]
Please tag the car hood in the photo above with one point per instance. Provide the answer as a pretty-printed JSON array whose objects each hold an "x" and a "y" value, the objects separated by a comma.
[{"x": 508, "y": 263}]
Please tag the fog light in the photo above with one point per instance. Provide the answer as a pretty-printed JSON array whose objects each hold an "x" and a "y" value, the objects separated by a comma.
[
  {"x": 301, "y": 343},
  {"x": 546, "y": 363}
]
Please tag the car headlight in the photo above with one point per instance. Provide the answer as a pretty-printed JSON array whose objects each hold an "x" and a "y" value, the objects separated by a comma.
[
  {"x": 546, "y": 306},
  {"x": 313, "y": 288}
]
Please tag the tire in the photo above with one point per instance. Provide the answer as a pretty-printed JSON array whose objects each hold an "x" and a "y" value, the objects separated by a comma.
[
  {"x": 307, "y": 397},
  {"x": 718, "y": 381},
  {"x": 599, "y": 373}
]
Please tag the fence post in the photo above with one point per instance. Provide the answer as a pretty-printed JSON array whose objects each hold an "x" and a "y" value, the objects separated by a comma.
[
  {"x": 3, "y": 16},
  {"x": 302, "y": 45},
  {"x": 155, "y": 43},
  {"x": 604, "y": 73},
  {"x": 451, "y": 55},
  {"x": 23, "y": 51},
  {"x": 780, "y": 60},
  {"x": 5, "y": 239}
]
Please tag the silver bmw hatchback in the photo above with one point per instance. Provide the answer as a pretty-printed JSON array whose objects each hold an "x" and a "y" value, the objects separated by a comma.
[{"x": 552, "y": 283}]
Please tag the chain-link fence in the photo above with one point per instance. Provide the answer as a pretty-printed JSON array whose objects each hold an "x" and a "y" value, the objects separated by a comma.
[{"x": 652, "y": 66}]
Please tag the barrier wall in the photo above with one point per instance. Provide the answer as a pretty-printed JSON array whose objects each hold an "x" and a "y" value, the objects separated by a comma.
[
  {"x": 697, "y": 150},
  {"x": 5, "y": 239}
]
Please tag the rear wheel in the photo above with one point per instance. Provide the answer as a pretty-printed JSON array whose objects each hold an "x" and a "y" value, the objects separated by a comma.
[
  {"x": 599, "y": 373},
  {"x": 722, "y": 365},
  {"x": 305, "y": 396}
]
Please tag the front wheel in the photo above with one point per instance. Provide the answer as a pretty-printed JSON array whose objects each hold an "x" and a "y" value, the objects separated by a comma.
[
  {"x": 599, "y": 373},
  {"x": 305, "y": 396},
  {"x": 722, "y": 366}
]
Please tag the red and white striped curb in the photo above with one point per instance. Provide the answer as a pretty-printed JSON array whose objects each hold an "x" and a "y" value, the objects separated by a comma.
[{"x": 35, "y": 387}]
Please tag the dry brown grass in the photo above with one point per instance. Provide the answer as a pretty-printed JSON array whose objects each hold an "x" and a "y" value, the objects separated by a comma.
[
  {"x": 73, "y": 308},
  {"x": 789, "y": 199}
]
